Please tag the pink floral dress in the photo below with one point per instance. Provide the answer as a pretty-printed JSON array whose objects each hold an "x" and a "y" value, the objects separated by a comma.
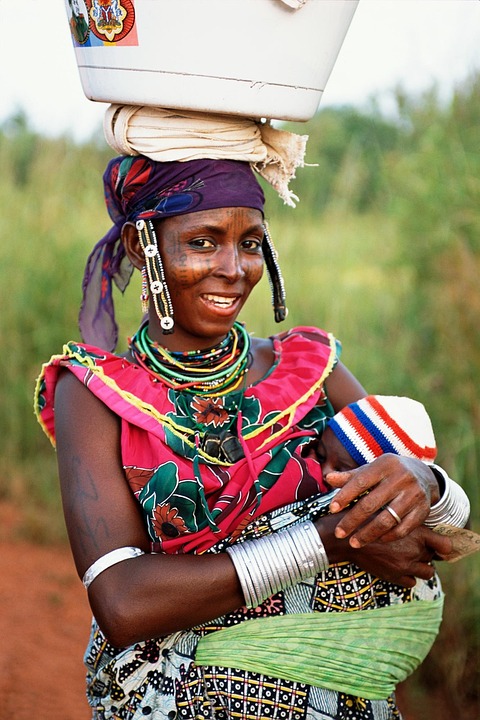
[{"x": 194, "y": 501}]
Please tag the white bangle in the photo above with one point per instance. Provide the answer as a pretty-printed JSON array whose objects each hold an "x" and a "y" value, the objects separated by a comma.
[
  {"x": 111, "y": 558},
  {"x": 278, "y": 561},
  {"x": 453, "y": 508}
]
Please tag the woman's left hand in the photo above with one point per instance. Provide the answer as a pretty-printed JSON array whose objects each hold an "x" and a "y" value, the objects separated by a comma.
[{"x": 405, "y": 485}]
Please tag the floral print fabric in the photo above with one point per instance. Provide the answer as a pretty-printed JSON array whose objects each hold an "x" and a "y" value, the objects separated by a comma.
[
  {"x": 189, "y": 498},
  {"x": 190, "y": 502}
]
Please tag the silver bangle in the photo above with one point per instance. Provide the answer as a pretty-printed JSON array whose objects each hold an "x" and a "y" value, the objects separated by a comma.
[
  {"x": 254, "y": 582},
  {"x": 278, "y": 561},
  {"x": 453, "y": 508},
  {"x": 111, "y": 558},
  {"x": 247, "y": 585},
  {"x": 268, "y": 571}
]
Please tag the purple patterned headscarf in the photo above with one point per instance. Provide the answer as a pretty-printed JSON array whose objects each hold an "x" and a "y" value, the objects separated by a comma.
[{"x": 135, "y": 188}]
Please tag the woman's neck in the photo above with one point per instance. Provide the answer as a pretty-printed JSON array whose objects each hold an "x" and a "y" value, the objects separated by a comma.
[{"x": 212, "y": 370}]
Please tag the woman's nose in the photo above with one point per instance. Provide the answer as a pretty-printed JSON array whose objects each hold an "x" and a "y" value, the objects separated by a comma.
[{"x": 230, "y": 264}]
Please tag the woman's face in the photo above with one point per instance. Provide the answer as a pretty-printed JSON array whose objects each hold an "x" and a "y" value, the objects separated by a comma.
[{"x": 212, "y": 261}]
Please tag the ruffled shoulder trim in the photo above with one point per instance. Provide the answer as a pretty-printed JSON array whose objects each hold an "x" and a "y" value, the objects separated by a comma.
[
  {"x": 305, "y": 356},
  {"x": 121, "y": 385}
]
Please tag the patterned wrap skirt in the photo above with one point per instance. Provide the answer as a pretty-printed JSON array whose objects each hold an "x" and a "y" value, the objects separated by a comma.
[{"x": 159, "y": 679}]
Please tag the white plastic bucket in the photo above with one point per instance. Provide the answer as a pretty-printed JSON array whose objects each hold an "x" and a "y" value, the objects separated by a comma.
[{"x": 256, "y": 58}]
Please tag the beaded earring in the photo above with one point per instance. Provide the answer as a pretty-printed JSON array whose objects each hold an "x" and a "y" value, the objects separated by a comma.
[
  {"x": 155, "y": 275},
  {"x": 144, "y": 293},
  {"x": 274, "y": 276}
]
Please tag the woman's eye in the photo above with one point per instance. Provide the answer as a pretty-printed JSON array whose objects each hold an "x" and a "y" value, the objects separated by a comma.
[
  {"x": 201, "y": 242},
  {"x": 252, "y": 243}
]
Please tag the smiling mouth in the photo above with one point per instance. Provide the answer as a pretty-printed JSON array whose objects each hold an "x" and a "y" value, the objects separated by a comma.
[{"x": 221, "y": 301}]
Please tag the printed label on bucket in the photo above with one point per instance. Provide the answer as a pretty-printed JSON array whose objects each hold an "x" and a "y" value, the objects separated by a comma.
[{"x": 96, "y": 23}]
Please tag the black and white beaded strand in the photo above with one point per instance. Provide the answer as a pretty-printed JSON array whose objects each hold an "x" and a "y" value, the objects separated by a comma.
[
  {"x": 274, "y": 276},
  {"x": 156, "y": 275}
]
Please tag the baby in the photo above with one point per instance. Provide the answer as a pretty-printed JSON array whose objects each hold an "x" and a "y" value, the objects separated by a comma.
[{"x": 375, "y": 425}]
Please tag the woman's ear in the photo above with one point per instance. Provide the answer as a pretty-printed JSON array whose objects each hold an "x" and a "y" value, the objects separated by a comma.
[{"x": 131, "y": 243}]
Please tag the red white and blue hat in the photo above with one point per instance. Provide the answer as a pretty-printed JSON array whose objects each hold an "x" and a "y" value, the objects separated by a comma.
[{"x": 380, "y": 424}]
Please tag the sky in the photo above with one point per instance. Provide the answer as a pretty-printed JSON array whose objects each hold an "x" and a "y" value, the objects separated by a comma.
[{"x": 412, "y": 43}]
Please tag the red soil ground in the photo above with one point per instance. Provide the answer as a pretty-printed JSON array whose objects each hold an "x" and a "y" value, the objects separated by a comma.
[{"x": 44, "y": 624}]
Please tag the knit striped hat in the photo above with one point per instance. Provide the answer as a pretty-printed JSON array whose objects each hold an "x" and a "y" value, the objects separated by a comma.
[{"x": 380, "y": 424}]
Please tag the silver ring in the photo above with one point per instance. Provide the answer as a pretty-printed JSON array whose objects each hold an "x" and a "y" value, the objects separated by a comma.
[{"x": 392, "y": 512}]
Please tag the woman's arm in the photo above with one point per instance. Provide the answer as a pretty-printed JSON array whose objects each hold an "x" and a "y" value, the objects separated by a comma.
[
  {"x": 154, "y": 595},
  {"x": 143, "y": 597},
  {"x": 343, "y": 388}
]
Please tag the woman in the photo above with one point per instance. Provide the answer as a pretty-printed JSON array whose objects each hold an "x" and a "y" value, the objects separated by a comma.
[{"x": 171, "y": 456}]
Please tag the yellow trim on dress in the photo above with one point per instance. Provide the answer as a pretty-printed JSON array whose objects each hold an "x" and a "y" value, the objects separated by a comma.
[{"x": 89, "y": 364}]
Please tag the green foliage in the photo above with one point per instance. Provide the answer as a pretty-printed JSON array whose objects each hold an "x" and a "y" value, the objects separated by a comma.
[
  {"x": 50, "y": 207},
  {"x": 346, "y": 148},
  {"x": 435, "y": 204},
  {"x": 383, "y": 250}
]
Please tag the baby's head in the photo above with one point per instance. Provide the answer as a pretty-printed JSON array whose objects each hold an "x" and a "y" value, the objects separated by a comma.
[{"x": 375, "y": 425}]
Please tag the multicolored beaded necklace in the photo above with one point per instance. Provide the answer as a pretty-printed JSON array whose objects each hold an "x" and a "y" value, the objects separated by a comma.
[
  {"x": 211, "y": 372},
  {"x": 216, "y": 374}
]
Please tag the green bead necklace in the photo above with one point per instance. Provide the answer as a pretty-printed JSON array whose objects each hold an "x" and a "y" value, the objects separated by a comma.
[{"x": 213, "y": 371}]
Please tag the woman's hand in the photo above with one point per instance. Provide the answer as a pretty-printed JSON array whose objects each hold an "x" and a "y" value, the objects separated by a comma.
[
  {"x": 404, "y": 484},
  {"x": 399, "y": 561},
  {"x": 402, "y": 561}
]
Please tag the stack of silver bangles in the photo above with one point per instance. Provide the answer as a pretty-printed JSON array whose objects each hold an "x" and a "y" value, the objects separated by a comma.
[
  {"x": 453, "y": 508},
  {"x": 276, "y": 562}
]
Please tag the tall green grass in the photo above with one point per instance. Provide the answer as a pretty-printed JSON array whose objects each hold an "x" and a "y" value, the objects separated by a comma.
[{"x": 383, "y": 250}]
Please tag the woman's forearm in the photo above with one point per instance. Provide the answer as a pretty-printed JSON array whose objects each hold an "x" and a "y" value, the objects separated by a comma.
[{"x": 155, "y": 595}]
